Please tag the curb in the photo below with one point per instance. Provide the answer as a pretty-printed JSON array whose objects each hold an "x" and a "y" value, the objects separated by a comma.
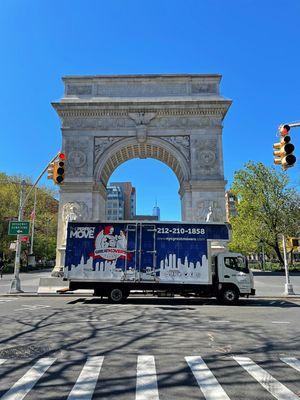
[{"x": 80, "y": 294}]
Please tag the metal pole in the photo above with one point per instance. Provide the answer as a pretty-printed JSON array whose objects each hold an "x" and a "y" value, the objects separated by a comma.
[
  {"x": 288, "y": 287},
  {"x": 39, "y": 178},
  {"x": 33, "y": 221},
  {"x": 15, "y": 286},
  {"x": 263, "y": 255}
]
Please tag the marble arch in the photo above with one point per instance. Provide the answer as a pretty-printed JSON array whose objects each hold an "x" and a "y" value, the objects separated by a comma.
[{"x": 107, "y": 120}]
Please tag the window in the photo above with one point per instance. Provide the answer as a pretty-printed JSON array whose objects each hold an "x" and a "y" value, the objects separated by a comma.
[{"x": 236, "y": 263}]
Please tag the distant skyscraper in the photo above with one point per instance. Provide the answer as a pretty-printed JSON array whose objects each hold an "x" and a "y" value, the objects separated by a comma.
[
  {"x": 121, "y": 201},
  {"x": 156, "y": 211},
  {"x": 114, "y": 203}
]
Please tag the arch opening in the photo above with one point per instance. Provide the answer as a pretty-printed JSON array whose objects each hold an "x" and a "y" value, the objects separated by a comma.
[
  {"x": 128, "y": 149},
  {"x": 153, "y": 184}
]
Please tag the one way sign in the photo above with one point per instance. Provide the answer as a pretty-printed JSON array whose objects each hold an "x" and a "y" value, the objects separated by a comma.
[{"x": 18, "y": 228}]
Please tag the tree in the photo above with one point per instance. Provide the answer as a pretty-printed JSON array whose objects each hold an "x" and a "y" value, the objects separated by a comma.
[
  {"x": 45, "y": 221},
  {"x": 267, "y": 208}
]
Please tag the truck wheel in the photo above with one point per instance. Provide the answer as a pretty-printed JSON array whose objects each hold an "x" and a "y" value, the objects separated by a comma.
[
  {"x": 228, "y": 295},
  {"x": 116, "y": 295}
]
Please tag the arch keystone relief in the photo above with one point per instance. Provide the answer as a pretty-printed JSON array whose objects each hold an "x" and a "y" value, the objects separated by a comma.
[{"x": 107, "y": 120}]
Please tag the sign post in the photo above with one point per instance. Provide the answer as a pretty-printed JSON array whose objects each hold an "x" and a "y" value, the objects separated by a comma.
[
  {"x": 15, "y": 286},
  {"x": 288, "y": 287}
]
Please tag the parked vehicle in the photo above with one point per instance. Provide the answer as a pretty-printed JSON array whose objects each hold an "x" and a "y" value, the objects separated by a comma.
[{"x": 188, "y": 259}]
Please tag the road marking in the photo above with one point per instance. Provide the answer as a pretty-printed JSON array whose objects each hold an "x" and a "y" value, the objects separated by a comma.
[
  {"x": 146, "y": 383},
  {"x": 217, "y": 322},
  {"x": 280, "y": 322},
  {"x": 20, "y": 389},
  {"x": 29, "y": 307},
  {"x": 2, "y": 360},
  {"x": 272, "y": 302},
  {"x": 292, "y": 362},
  {"x": 277, "y": 389},
  {"x": 86, "y": 382},
  {"x": 206, "y": 380}
]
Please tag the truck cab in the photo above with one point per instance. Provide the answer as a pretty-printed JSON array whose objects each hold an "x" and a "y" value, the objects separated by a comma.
[{"x": 232, "y": 277}]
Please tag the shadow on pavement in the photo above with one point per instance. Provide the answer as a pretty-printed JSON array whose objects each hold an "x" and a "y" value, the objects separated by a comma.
[{"x": 173, "y": 303}]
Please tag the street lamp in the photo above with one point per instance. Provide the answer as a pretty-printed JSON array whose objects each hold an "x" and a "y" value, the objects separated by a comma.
[
  {"x": 288, "y": 287},
  {"x": 15, "y": 286}
]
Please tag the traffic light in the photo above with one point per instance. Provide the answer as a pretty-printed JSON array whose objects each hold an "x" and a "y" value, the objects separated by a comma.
[
  {"x": 51, "y": 171},
  {"x": 56, "y": 169},
  {"x": 59, "y": 169},
  {"x": 284, "y": 149}
]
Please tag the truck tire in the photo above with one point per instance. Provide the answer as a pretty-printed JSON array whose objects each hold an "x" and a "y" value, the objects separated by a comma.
[
  {"x": 116, "y": 295},
  {"x": 228, "y": 295}
]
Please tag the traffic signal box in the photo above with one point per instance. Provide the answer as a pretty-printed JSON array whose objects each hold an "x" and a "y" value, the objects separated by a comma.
[
  {"x": 56, "y": 169},
  {"x": 284, "y": 149}
]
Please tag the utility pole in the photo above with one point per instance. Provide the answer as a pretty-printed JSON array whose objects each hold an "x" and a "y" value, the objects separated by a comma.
[
  {"x": 15, "y": 286},
  {"x": 33, "y": 221},
  {"x": 288, "y": 287}
]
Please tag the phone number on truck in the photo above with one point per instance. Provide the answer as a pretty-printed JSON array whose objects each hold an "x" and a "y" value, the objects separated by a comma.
[{"x": 189, "y": 231}]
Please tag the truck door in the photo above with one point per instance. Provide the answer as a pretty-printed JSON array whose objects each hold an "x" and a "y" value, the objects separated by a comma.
[
  {"x": 233, "y": 269},
  {"x": 147, "y": 252},
  {"x": 131, "y": 272}
]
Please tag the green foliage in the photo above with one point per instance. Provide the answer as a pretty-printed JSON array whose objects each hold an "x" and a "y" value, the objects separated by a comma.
[
  {"x": 267, "y": 207},
  {"x": 45, "y": 221}
]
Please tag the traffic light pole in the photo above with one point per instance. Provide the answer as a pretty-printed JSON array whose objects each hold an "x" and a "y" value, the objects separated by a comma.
[
  {"x": 15, "y": 286},
  {"x": 294, "y": 124},
  {"x": 288, "y": 287}
]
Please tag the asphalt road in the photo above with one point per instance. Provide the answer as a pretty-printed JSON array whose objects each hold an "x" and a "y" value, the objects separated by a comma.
[
  {"x": 266, "y": 283},
  {"x": 149, "y": 348}
]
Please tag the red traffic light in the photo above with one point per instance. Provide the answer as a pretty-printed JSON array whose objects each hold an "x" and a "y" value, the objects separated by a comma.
[
  {"x": 62, "y": 156},
  {"x": 284, "y": 130}
]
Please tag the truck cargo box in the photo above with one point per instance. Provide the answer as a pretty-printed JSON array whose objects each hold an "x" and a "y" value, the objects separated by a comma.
[{"x": 144, "y": 252}]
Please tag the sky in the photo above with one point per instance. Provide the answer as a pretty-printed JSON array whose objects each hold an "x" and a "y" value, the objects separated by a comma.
[{"x": 254, "y": 45}]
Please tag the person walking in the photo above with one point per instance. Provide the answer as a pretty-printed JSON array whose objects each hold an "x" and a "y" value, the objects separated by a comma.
[{"x": 1, "y": 267}]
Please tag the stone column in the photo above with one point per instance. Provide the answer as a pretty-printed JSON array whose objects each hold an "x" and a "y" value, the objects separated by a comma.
[
  {"x": 198, "y": 198},
  {"x": 205, "y": 192},
  {"x": 80, "y": 201}
]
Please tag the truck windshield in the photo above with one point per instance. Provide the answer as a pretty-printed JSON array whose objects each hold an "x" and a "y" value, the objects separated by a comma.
[{"x": 237, "y": 263}]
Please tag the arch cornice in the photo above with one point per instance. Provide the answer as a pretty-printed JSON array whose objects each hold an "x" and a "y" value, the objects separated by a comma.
[{"x": 129, "y": 148}]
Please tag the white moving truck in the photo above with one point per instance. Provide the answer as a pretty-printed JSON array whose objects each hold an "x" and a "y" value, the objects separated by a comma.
[{"x": 114, "y": 258}]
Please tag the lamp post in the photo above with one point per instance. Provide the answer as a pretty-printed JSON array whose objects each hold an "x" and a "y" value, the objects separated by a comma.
[
  {"x": 15, "y": 286},
  {"x": 288, "y": 287}
]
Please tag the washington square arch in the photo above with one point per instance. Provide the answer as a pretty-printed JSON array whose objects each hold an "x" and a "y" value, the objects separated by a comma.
[{"x": 107, "y": 120}]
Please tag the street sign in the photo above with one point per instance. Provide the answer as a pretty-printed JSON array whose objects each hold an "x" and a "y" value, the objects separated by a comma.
[{"x": 18, "y": 228}]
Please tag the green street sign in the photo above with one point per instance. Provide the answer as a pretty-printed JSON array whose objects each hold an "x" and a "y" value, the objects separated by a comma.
[{"x": 18, "y": 228}]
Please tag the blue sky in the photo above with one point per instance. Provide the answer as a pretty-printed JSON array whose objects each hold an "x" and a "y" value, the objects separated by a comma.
[{"x": 253, "y": 44}]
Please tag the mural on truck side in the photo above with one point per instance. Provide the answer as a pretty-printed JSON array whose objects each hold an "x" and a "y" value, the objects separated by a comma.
[{"x": 170, "y": 253}]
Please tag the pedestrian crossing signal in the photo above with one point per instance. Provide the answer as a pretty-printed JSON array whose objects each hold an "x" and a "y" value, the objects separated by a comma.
[{"x": 283, "y": 154}]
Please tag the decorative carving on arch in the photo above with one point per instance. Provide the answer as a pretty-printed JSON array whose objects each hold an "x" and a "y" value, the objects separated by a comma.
[
  {"x": 142, "y": 120},
  {"x": 102, "y": 144},
  {"x": 182, "y": 143},
  {"x": 168, "y": 152}
]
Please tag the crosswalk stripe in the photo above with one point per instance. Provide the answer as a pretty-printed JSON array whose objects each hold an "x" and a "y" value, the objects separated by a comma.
[
  {"x": 207, "y": 382},
  {"x": 2, "y": 360},
  {"x": 277, "y": 389},
  {"x": 292, "y": 362},
  {"x": 87, "y": 380},
  {"x": 146, "y": 383},
  {"x": 20, "y": 389}
]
